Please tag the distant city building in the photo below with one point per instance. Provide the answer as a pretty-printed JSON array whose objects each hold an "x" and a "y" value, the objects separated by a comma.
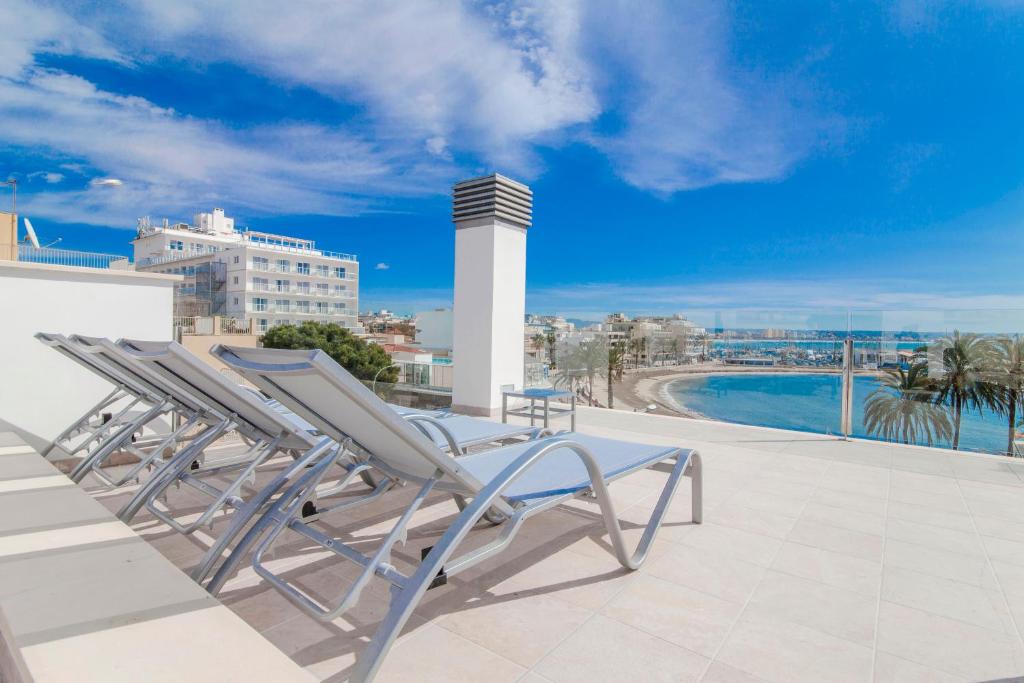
[
  {"x": 267, "y": 278},
  {"x": 384, "y": 322},
  {"x": 434, "y": 328}
]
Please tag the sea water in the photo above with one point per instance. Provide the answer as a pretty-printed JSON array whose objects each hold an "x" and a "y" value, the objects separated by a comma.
[{"x": 808, "y": 403}]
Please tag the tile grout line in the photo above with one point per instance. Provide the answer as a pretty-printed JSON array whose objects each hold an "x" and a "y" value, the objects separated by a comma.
[
  {"x": 746, "y": 603},
  {"x": 991, "y": 567},
  {"x": 881, "y": 575}
]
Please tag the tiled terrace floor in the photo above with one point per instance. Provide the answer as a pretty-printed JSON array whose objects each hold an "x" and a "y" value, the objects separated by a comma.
[{"x": 819, "y": 560}]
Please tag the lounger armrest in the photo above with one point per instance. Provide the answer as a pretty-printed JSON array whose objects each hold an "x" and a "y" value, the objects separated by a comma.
[{"x": 453, "y": 444}]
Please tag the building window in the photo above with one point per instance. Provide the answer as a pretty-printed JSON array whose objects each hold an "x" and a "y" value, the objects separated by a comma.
[
  {"x": 302, "y": 307},
  {"x": 284, "y": 266},
  {"x": 281, "y": 305},
  {"x": 322, "y": 308},
  {"x": 235, "y": 279},
  {"x": 323, "y": 271},
  {"x": 339, "y": 273},
  {"x": 322, "y": 289},
  {"x": 175, "y": 245},
  {"x": 302, "y": 268},
  {"x": 236, "y": 259},
  {"x": 260, "y": 263},
  {"x": 339, "y": 308},
  {"x": 259, "y": 304},
  {"x": 283, "y": 285},
  {"x": 236, "y": 301},
  {"x": 303, "y": 288},
  {"x": 262, "y": 325},
  {"x": 261, "y": 284}
]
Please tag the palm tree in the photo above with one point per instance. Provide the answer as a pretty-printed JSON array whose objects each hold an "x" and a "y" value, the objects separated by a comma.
[
  {"x": 1008, "y": 375},
  {"x": 965, "y": 359},
  {"x": 551, "y": 348},
  {"x": 674, "y": 345},
  {"x": 538, "y": 341},
  {"x": 591, "y": 358},
  {"x": 616, "y": 366},
  {"x": 580, "y": 365},
  {"x": 902, "y": 409}
]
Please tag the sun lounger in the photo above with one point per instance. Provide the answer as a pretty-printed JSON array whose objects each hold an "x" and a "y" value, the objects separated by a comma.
[
  {"x": 518, "y": 481},
  {"x": 270, "y": 430},
  {"x": 145, "y": 402}
]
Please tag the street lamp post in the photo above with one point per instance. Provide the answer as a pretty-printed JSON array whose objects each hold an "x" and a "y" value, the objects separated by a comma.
[
  {"x": 378, "y": 375},
  {"x": 14, "y": 193}
]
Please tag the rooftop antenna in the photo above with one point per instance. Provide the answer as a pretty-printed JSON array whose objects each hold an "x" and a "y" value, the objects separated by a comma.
[{"x": 30, "y": 233}]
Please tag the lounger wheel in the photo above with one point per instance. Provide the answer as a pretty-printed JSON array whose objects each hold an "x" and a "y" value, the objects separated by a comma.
[{"x": 492, "y": 516}]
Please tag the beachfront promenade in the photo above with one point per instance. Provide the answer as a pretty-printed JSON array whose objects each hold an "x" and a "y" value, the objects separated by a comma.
[{"x": 818, "y": 560}]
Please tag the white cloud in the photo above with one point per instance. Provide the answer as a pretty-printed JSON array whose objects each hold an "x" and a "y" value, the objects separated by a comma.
[
  {"x": 434, "y": 81},
  {"x": 382, "y": 266},
  {"x": 169, "y": 161},
  {"x": 48, "y": 176},
  {"x": 106, "y": 182},
  {"x": 492, "y": 76}
]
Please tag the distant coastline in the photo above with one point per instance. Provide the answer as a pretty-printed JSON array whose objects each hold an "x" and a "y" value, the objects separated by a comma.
[{"x": 649, "y": 386}]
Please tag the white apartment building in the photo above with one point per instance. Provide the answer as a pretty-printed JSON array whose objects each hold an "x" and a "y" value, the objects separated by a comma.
[{"x": 269, "y": 279}]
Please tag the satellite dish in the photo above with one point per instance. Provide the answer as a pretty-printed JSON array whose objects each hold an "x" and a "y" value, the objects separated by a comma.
[{"x": 31, "y": 233}]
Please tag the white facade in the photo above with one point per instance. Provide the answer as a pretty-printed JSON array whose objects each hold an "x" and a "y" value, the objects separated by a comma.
[
  {"x": 434, "y": 328},
  {"x": 488, "y": 320},
  {"x": 270, "y": 279},
  {"x": 42, "y": 392}
]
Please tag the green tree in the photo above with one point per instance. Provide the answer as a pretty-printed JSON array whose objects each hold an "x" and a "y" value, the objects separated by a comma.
[
  {"x": 965, "y": 359},
  {"x": 1008, "y": 376},
  {"x": 362, "y": 359},
  {"x": 551, "y": 340},
  {"x": 903, "y": 409},
  {"x": 616, "y": 366}
]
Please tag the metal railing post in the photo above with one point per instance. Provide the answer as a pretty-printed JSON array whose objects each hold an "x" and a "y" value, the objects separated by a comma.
[{"x": 846, "y": 414}]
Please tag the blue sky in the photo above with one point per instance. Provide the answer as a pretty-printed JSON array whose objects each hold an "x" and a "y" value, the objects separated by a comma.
[{"x": 684, "y": 157}]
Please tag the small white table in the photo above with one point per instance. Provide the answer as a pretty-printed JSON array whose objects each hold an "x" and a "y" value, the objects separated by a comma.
[{"x": 547, "y": 411}]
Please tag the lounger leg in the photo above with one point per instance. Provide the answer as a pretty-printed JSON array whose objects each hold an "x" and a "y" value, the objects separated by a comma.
[
  {"x": 164, "y": 476},
  {"x": 404, "y": 600},
  {"x": 145, "y": 459},
  {"x": 84, "y": 419},
  {"x": 684, "y": 464},
  {"x": 696, "y": 475},
  {"x": 244, "y": 514},
  {"x": 103, "y": 430},
  {"x": 114, "y": 441}
]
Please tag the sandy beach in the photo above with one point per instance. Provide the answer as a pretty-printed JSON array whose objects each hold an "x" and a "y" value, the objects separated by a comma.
[{"x": 648, "y": 386}]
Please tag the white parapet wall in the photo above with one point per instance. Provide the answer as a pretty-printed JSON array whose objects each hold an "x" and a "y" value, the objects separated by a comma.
[{"x": 41, "y": 392}]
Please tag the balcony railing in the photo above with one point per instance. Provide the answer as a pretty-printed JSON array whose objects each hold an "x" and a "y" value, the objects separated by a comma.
[
  {"x": 274, "y": 268},
  {"x": 68, "y": 257},
  {"x": 322, "y": 253},
  {"x": 291, "y": 310},
  {"x": 295, "y": 291}
]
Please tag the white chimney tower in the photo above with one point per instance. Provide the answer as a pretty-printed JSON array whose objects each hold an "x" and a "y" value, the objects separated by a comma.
[{"x": 491, "y": 216}]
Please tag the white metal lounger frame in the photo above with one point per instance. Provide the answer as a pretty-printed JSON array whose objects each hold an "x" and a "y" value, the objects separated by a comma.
[
  {"x": 92, "y": 424},
  {"x": 270, "y": 432},
  {"x": 136, "y": 389},
  {"x": 277, "y": 379}
]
